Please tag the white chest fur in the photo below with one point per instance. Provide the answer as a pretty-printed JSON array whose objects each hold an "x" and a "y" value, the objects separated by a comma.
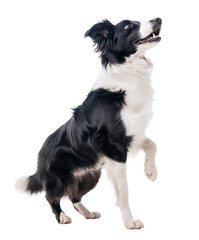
[{"x": 134, "y": 78}]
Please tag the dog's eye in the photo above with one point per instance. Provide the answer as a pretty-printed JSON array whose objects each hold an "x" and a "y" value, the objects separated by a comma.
[{"x": 128, "y": 26}]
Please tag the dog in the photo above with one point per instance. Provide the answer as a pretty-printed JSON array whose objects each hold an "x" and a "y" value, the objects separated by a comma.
[{"x": 108, "y": 126}]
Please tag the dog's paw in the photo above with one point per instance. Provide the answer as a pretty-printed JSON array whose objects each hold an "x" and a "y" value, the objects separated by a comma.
[
  {"x": 151, "y": 171},
  {"x": 134, "y": 224},
  {"x": 92, "y": 215},
  {"x": 63, "y": 219}
]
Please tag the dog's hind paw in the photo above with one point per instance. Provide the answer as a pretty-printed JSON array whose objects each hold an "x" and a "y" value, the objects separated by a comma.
[
  {"x": 63, "y": 219},
  {"x": 92, "y": 215}
]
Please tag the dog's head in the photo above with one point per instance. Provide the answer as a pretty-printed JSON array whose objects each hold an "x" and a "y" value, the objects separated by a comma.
[{"x": 116, "y": 42}]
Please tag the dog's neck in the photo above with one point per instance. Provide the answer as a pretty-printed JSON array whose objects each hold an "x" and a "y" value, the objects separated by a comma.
[{"x": 136, "y": 69}]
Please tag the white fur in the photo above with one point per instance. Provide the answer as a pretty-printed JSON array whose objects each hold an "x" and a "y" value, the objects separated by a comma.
[
  {"x": 134, "y": 78},
  {"x": 92, "y": 170},
  {"x": 63, "y": 219},
  {"x": 22, "y": 183},
  {"x": 145, "y": 29}
]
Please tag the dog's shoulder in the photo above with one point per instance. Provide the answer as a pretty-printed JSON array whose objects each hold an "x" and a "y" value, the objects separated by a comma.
[{"x": 100, "y": 99}]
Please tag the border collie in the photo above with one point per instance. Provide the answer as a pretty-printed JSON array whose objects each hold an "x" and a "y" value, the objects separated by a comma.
[{"x": 109, "y": 124}]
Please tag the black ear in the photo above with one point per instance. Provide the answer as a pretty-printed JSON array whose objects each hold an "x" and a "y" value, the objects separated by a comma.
[{"x": 101, "y": 33}]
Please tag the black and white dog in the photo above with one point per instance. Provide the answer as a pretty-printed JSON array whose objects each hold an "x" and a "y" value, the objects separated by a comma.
[{"x": 109, "y": 124}]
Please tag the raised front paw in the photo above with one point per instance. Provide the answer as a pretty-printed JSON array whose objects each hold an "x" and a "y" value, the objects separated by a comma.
[{"x": 151, "y": 171}]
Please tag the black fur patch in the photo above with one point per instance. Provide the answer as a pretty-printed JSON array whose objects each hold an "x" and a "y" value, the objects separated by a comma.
[
  {"x": 95, "y": 129},
  {"x": 115, "y": 42}
]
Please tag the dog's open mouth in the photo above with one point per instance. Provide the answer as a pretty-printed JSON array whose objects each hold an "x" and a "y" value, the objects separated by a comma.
[{"x": 153, "y": 37}]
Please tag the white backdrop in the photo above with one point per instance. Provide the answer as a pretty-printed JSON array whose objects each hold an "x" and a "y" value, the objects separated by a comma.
[{"x": 47, "y": 67}]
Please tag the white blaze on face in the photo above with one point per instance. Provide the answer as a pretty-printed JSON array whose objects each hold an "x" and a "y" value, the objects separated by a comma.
[{"x": 145, "y": 29}]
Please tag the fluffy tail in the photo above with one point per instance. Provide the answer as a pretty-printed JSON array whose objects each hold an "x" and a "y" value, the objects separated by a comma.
[{"x": 30, "y": 184}]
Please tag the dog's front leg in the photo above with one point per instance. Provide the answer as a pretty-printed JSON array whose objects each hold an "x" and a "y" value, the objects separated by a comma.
[
  {"x": 149, "y": 147},
  {"x": 117, "y": 173}
]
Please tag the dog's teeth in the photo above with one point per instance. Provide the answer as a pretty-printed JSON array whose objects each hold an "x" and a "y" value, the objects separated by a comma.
[{"x": 153, "y": 34}]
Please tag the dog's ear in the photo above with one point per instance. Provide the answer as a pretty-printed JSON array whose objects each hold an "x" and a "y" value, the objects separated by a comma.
[{"x": 101, "y": 34}]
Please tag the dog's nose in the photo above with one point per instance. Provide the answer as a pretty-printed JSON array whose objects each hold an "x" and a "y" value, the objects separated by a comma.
[{"x": 157, "y": 20}]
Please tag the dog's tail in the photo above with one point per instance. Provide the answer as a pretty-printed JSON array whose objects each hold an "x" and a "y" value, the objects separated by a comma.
[{"x": 30, "y": 184}]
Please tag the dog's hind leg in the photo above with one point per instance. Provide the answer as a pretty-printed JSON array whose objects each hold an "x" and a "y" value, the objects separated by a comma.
[
  {"x": 55, "y": 189},
  {"x": 59, "y": 214},
  {"x": 85, "y": 212},
  {"x": 81, "y": 185}
]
